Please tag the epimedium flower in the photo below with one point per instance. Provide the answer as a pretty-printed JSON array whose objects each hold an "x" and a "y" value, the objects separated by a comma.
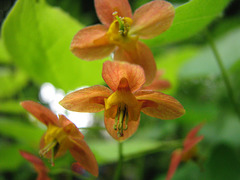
[
  {"x": 38, "y": 164},
  {"x": 188, "y": 152},
  {"x": 124, "y": 100},
  {"x": 61, "y": 135},
  {"x": 121, "y": 30}
]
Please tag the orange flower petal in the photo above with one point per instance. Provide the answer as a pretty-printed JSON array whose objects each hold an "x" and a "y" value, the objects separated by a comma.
[
  {"x": 175, "y": 160},
  {"x": 190, "y": 144},
  {"x": 152, "y": 19},
  {"x": 191, "y": 140},
  {"x": 82, "y": 153},
  {"x": 157, "y": 83},
  {"x": 38, "y": 164},
  {"x": 192, "y": 134},
  {"x": 140, "y": 55},
  {"x": 132, "y": 127},
  {"x": 114, "y": 72},
  {"x": 86, "y": 100},
  {"x": 159, "y": 105},
  {"x": 69, "y": 128},
  {"x": 77, "y": 168},
  {"x": 105, "y": 9},
  {"x": 91, "y": 43},
  {"x": 42, "y": 113}
]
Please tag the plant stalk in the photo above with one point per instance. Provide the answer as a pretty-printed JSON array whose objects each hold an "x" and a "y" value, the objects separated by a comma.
[
  {"x": 118, "y": 172},
  {"x": 223, "y": 72}
]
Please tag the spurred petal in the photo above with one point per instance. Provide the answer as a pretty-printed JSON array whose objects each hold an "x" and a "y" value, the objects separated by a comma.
[
  {"x": 191, "y": 140},
  {"x": 105, "y": 9},
  {"x": 140, "y": 55},
  {"x": 158, "y": 83},
  {"x": 86, "y": 100},
  {"x": 175, "y": 160},
  {"x": 77, "y": 168},
  {"x": 159, "y": 105},
  {"x": 114, "y": 72},
  {"x": 42, "y": 113},
  {"x": 38, "y": 164},
  {"x": 192, "y": 134},
  {"x": 69, "y": 128},
  {"x": 82, "y": 153},
  {"x": 91, "y": 43},
  {"x": 132, "y": 127},
  {"x": 152, "y": 19}
]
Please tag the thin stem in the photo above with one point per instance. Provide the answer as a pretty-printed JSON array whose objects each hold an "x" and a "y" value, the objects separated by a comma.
[
  {"x": 93, "y": 128},
  {"x": 224, "y": 73},
  {"x": 120, "y": 162}
]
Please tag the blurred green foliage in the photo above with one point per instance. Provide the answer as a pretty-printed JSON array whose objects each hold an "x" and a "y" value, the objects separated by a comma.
[{"x": 34, "y": 48}]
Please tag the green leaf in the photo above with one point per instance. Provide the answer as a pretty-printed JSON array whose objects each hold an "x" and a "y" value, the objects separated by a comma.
[
  {"x": 4, "y": 56},
  {"x": 172, "y": 61},
  {"x": 223, "y": 164},
  {"x": 20, "y": 131},
  {"x": 107, "y": 151},
  {"x": 188, "y": 170},
  {"x": 190, "y": 19},
  {"x": 197, "y": 112},
  {"x": 10, "y": 157},
  {"x": 10, "y": 107},
  {"x": 11, "y": 81},
  {"x": 38, "y": 37},
  {"x": 204, "y": 63}
]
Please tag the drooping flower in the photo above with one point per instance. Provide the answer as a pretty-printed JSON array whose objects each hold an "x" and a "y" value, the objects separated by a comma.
[
  {"x": 188, "y": 151},
  {"x": 121, "y": 31},
  {"x": 158, "y": 83},
  {"x": 61, "y": 135},
  {"x": 38, "y": 164},
  {"x": 124, "y": 100}
]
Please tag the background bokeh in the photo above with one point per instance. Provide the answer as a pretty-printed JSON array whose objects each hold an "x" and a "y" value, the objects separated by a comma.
[{"x": 36, "y": 64}]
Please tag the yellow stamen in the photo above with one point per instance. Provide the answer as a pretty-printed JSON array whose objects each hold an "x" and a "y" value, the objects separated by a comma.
[{"x": 48, "y": 147}]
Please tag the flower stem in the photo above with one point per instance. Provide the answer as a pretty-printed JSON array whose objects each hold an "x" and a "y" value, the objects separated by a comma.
[
  {"x": 223, "y": 72},
  {"x": 118, "y": 172},
  {"x": 92, "y": 128}
]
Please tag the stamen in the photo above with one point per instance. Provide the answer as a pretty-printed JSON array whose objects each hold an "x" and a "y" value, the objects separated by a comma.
[
  {"x": 52, "y": 158},
  {"x": 122, "y": 29},
  {"x": 122, "y": 115},
  {"x": 126, "y": 119},
  {"x": 48, "y": 147},
  {"x": 116, "y": 119}
]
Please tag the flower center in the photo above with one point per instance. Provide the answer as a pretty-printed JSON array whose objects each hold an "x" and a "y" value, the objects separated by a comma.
[
  {"x": 53, "y": 146},
  {"x": 118, "y": 32},
  {"x": 53, "y": 138},
  {"x": 121, "y": 116},
  {"x": 124, "y": 24}
]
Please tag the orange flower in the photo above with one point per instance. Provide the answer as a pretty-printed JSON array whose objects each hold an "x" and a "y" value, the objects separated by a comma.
[
  {"x": 61, "y": 135},
  {"x": 158, "y": 83},
  {"x": 39, "y": 166},
  {"x": 188, "y": 152},
  {"x": 121, "y": 31},
  {"x": 123, "y": 103}
]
